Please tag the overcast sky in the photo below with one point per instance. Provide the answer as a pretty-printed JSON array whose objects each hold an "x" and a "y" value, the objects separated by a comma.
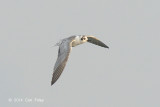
[{"x": 126, "y": 75}]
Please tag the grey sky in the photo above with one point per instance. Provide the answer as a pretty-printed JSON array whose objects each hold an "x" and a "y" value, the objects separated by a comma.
[{"x": 126, "y": 75}]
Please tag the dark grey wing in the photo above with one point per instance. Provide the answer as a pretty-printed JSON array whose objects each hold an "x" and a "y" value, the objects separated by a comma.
[
  {"x": 95, "y": 41},
  {"x": 63, "y": 54}
]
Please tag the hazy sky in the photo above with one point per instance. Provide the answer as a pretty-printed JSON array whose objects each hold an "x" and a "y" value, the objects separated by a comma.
[{"x": 126, "y": 75}]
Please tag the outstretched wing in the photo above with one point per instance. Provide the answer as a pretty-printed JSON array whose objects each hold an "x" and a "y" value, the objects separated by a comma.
[
  {"x": 95, "y": 41},
  {"x": 63, "y": 54}
]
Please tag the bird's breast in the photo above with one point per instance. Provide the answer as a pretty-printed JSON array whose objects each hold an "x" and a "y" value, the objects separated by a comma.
[{"x": 75, "y": 43}]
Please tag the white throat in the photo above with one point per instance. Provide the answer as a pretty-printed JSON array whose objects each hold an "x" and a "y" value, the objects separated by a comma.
[{"x": 77, "y": 41}]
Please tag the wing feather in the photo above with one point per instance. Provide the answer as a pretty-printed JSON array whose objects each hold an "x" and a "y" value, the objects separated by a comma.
[
  {"x": 95, "y": 41},
  {"x": 63, "y": 55}
]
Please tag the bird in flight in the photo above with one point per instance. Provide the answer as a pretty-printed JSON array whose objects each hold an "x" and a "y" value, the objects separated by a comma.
[{"x": 65, "y": 46}]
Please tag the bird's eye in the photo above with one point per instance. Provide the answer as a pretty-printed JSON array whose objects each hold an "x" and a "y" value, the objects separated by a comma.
[{"x": 83, "y": 38}]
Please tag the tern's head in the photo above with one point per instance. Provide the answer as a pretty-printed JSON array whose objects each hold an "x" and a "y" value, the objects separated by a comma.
[
  {"x": 83, "y": 38},
  {"x": 79, "y": 40}
]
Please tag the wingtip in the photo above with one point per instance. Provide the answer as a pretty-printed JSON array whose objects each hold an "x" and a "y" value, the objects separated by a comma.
[
  {"x": 52, "y": 83},
  {"x": 106, "y": 46}
]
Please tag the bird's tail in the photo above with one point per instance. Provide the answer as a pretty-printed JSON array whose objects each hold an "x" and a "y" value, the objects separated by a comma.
[{"x": 59, "y": 43}]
